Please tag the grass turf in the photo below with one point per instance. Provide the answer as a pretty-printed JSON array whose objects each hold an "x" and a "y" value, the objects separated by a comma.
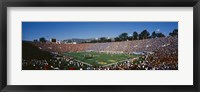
[{"x": 99, "y": 59}]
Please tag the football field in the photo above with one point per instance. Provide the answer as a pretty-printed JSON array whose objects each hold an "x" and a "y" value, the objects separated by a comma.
[{"x": 99, "y": 59}]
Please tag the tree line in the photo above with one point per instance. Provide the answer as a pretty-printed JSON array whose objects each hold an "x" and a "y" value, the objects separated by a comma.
[{"x": 135, "y": 36}]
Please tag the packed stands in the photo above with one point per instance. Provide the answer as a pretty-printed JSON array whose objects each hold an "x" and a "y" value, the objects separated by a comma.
[{"x": 159, "y": 54}]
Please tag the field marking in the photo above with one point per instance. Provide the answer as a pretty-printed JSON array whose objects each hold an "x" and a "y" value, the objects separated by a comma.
[
  {"x": 114, "y": 63},
  {"x": 83, "y": 62}
]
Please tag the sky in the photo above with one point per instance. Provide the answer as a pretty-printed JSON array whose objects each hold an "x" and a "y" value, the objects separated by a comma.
[{"x": 84, "y": 30}]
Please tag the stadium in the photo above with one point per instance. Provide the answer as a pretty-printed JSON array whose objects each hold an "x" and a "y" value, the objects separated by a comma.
[
  {"x": 99, "y": 45},
  {"x": 147, "y": 54}
]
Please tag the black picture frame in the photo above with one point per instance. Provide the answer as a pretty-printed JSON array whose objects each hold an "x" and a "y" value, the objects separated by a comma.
[{"x": 98, "y": 3}]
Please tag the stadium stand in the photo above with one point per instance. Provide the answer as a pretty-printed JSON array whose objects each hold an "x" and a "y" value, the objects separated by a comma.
[{"x": 159, "y": 54}]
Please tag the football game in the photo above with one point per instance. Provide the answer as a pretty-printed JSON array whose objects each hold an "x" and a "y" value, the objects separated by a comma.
[
  {"x": 99, "y": 59},
  {"x": 99, "y": 45}
]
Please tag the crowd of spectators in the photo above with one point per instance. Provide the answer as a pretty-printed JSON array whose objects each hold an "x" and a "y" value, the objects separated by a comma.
[
  {"x": 125, "y": 46},
  {"x": 161, "y": 54}
]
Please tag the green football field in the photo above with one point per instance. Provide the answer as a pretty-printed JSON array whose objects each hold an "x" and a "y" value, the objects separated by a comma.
[{"x": 99, "y": 59}]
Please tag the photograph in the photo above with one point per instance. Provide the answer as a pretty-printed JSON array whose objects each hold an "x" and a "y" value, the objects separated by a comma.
[
  {"x": 99, "y": 45},
  {"x": 107, "y": 45}
]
